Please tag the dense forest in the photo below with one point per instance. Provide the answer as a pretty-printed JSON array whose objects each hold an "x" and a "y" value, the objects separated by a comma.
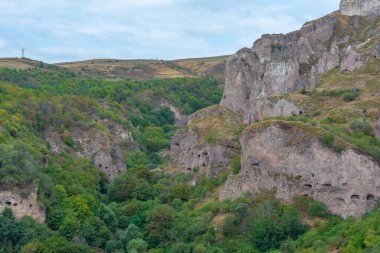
[{"x": 144, "y": 209}]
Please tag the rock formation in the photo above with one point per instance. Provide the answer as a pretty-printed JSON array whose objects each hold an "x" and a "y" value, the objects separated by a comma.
[
  {"x": 289, "y": 158},
  {"x": 360, "y": 7},
  {"x": 23, "y": 206},
  {"x": 191, "y": 150},
  {"x": 101, "y": 148},
  {"x": 279, "y": 64}
]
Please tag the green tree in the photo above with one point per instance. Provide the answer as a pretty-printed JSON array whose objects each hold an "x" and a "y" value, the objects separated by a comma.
[
  {"x": 138, "y": 245},
  {"x": 159, "y": 224}
]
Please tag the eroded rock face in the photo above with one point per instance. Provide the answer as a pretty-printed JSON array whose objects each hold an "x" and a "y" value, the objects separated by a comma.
[
  {"x": 295, "y": 163},
  {"x": 23, "y": 206},
  {"x": 360, "y": 7},
  {"x": 190, "y": 151},
  {"x": 97, "y": 146},
  {"x": 279, "y": 64}
]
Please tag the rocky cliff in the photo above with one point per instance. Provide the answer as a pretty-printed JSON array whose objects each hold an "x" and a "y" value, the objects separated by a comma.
[
  {"x": 279, "y": 64},
  {"x": 209, "y": 142},
  {"x": 102, "y": 148},
  {"x": 360, "y": 7},
  {"x": 325, "y": 59},
  {"x": 289, "y": 158},
  {"x": 23, "y": 206}
]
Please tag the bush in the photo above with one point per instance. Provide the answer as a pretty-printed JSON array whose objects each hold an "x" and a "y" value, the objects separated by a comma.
[
  {"x": 236, "y": 165},
  {"x": 137, "y": 245},
  {"x": 272, "y": 226},
  {"x": 231, "y": 226},
  {"x": 362, "y": 126},
  {"x": 327, "y": 139},
  {"x": 288, "y": 247},
  {"x": 211, "y": 137},
  {"x": 348, "y": 96},
  {"x": 317, "y": 209}
]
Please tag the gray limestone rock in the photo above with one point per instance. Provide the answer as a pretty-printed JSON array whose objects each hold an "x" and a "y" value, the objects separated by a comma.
[
  {"x": 279, "y": 64},
  {"x": 294, "y": 162},
  {"x": 190, "y": 151},
  {"x": 23, "y": 206},
  {"x": 360, "y": 7}
]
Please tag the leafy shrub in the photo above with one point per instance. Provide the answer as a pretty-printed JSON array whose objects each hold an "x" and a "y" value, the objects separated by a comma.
[
  {"x": 348, "y": 96},
  {"x": 327, "y": 139},
  {"x": 272, "y": 226},
  {"x": 288, "y": 246},
  {"x": 362, "y": 126},
  {"x": 236, "y": 165}
]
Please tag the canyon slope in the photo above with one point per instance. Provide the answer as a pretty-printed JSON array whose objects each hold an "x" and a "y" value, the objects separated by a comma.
[{"x": 301, "y": 97}]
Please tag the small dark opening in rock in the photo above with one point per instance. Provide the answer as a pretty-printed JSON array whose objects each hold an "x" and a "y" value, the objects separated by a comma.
[
  {"x": 306, "y": 195},
  {"x": 199, "y": 155},
  {"x": 100, "y": 165},
  {"x": 119, "y": 171},
  {"x": 188, "y": 169},
  {"x": 355, "y": 196},
  {"x": 8, "y": 203},
  {"x": 344, "y": 184},
  {"x": 308, "y": 185},
  {"x": 255, "y": 163},
  {"x": 298, "y": 177},
  {"x": 15, "y": 204},
  {"x": 205, "y": 153},
  {"x": 30, "y": 205},
  {"x": 326, "y": 185},
  {"x": 204, "y": 165},
  {"x": 301, "y": 112},
  {"x": 176, "y": 144},
  {"x": 226, "y": 165},
  {"x": 189, "y": 149},
  {"x": 370, "y": 197}
]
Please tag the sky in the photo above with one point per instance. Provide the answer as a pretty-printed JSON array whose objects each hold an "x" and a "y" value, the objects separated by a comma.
[{"x": 71, "y": 30}]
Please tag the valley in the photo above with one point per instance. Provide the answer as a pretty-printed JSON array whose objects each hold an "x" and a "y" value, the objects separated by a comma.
[{"x": 273, "y": 149}]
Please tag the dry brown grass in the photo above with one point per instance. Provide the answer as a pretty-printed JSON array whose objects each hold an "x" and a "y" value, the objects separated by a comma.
[{"x": 148, "y": 69}]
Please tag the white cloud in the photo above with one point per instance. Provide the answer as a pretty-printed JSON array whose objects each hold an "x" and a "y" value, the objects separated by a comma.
[{"x": 57, "y": 30}]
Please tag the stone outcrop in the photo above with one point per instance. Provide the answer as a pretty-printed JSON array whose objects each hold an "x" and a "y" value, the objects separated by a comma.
[
  {"x": 360, "y": 7},
  {"x": 290, "y": 159},
  {"x": 191, "y": 150},
  {"x": 103, "y": 149},
  {"x": 280, "y": 64},
  {"x": 23, "y": 206}
]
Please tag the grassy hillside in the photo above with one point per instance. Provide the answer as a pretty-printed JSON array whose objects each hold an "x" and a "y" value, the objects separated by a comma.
[
  {"x": 145, "y": 210},
  {"x": 149, "y": 69}
]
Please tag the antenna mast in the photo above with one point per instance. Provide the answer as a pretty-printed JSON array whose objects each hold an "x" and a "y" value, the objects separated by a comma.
[{"x": 23, "y": 52}]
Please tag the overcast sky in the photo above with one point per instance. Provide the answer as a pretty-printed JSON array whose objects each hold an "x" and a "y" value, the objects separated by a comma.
[{"x": 71, "y": 30}]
